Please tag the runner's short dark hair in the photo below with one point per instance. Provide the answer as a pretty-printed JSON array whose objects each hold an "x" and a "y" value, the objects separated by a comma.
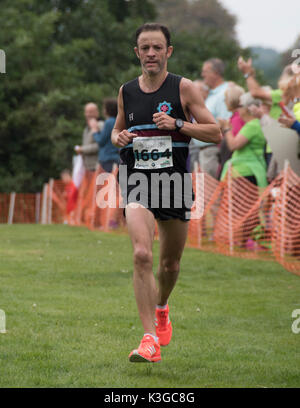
[
  {"x": 154, "y": 27},
  {"x": 111, "y": 107}
]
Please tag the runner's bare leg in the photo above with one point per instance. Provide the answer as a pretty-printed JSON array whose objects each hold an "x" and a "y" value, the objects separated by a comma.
[
  {"x": 172, "y": 238},
  {"x": 141, "y": 228}
]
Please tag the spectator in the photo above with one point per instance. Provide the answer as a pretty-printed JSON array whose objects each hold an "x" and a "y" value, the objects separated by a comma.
[
  {"x": 232, "y": 100},
  {"x": 213, "y": 75},
  {"x": 108, "y": 153},
  {"x": 194, "y": 149},
  {"x": 292, "y": 96},
  {"x": 274, "y": 97},
  {"x": 247, "y": 145},
  {"x": 290, "y": 123},
  {"x": 70, "y": 194},
  {"x": 262, "y": 113},
  {"x": 89, "y": 148}
]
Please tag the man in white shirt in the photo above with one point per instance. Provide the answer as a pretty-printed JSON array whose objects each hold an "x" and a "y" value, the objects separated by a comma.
[
  {"x": 213, "y": 76},
  {"x": 89, "y": 148}
]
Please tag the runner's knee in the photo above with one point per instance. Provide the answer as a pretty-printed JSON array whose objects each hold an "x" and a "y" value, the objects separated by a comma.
[
  {"x": 142, "y": 256},
  {"x": 170, "y": 266}
]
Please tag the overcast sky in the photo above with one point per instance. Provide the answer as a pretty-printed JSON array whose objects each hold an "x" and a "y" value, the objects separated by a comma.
[{"x": 268, "y": 23}]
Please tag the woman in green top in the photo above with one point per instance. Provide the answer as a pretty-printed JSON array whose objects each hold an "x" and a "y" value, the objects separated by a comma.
[
  {"x": 269, "y": 96},
  {"x": 248, "y": 146}
]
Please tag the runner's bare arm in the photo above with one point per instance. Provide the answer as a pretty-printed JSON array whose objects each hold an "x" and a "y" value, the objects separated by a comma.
[
  {"x": 120, "y": 137},
  {"x": 205, "y": 128}
]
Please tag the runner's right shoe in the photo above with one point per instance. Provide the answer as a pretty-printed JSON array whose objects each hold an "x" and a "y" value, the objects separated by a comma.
[{"x": 148, "y": 351}]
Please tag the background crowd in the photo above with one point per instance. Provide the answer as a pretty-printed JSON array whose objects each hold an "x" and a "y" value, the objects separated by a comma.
[
  {"x": 242, "y": 115},
  {"x": 240, "y": 112}
]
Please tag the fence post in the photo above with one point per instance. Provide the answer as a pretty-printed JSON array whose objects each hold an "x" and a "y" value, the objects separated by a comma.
[
  {"x": 93, "y": 214},
  {"x": 37, "y": 207},
  {"x": 283, "y": 206},
  {"x": 11, "y": 208},
  {"x": 200, "y": 191},
  {"x": 44, "y": 205},
  {"x": 51, "y": 182},
  {"x": 230, "y": 229}
]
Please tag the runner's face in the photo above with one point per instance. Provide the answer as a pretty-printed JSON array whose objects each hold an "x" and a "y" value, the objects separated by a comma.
[{"x": 153, "y": 52}]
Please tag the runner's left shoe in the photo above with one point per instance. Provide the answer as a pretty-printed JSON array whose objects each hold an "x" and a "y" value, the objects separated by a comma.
[{"x": 163, "y": 326}]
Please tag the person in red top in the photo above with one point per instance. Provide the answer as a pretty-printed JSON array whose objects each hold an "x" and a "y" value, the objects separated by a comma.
[{"x": 70, "y": 193}]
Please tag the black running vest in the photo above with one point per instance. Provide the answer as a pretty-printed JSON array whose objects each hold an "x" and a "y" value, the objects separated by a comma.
[{"x": 139, "y": 108}]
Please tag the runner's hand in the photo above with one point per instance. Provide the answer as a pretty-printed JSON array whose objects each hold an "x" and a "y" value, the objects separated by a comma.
[
  {"x": 164, "y": 121},
  {"x": 124, "y": 138}
]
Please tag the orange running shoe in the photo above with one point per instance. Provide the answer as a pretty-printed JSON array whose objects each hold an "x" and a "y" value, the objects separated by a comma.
[
  {"x": 148, "y": 351},
  {"x": 163, "y": 326}
]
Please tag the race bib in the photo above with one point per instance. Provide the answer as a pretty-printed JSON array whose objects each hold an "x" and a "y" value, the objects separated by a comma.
[{"x": 153, "y": 152}]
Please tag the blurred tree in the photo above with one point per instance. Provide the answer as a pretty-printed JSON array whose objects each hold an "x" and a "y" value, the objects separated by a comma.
[
  {"x": 60, "y": 55},
  {"x": 191, "y": 15}
]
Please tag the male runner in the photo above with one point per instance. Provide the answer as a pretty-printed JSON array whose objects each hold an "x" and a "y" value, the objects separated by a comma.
[{"x": 155, "y": 109}]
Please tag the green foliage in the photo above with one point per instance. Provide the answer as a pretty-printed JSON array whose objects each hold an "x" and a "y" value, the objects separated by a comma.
[
  {"x": 190, "y": 15},
  {"x": 59, "y": 55}
]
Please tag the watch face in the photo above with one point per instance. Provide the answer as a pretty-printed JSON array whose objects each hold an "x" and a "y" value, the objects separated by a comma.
[{"x": 179, "y": 123}]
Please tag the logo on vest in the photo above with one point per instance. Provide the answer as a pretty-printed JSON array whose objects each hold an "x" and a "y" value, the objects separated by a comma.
[
  {"x": 130, "y": 117},
  {"x": 165, "y": 107}
]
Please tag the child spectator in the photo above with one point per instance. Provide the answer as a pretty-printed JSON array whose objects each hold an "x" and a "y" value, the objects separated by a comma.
[{"x": 70, "y": 194}]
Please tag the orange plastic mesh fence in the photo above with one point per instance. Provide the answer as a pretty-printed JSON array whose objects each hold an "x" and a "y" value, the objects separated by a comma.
[
  {"x": 20, "y": 208},
  {"x": 285, "y": 233},
  {"x": 4, "y": 207},
  {"x": 238, "y": 218}
]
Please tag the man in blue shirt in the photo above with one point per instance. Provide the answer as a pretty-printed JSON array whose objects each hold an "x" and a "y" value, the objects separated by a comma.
[
  {"x": 213, "y": 76},
  {"x": 108, "y": 153}
]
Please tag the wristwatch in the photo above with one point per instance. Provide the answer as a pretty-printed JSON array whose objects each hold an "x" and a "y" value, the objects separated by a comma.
[
  {"x": 179, "y": 124},
  {"x": 246, "y": 76}
]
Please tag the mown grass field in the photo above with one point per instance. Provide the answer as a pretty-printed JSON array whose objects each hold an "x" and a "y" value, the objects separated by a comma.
[{"x": 72, "y": 318}]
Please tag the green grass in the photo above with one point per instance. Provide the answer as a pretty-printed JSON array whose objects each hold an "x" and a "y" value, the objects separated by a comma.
[{"x": 72, "y": 318}]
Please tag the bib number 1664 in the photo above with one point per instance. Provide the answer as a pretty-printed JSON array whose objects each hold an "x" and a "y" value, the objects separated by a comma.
[{"x": 154, "y": 154}]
